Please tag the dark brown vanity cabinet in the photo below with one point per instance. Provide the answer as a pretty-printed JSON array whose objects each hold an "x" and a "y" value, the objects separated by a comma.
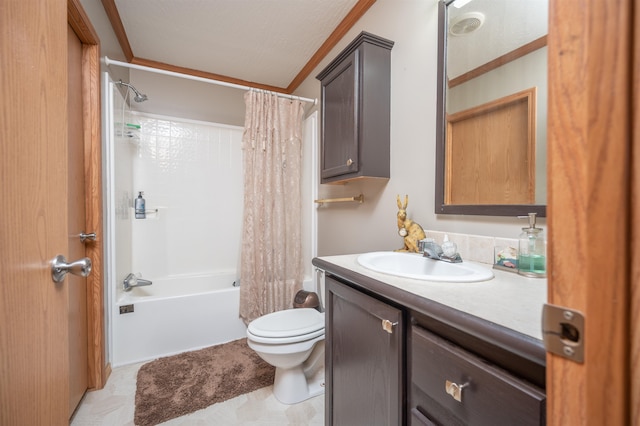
[
  {"x": 364, "y": 352},
  {"x": 356, "y": 95},
  {"x": 451, "y": 386},
  {"x": 394, "y": 358}
]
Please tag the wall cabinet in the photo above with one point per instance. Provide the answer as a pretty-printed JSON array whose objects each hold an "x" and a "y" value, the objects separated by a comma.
[
  {"x": 356, "y": 94},
  {"x": 391, "y": 360}
]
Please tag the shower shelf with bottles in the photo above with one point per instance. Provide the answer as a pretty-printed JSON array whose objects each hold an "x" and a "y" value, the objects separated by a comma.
[
  {"x": 149, "y": 213},
  {"x": 129, "y": 131}
]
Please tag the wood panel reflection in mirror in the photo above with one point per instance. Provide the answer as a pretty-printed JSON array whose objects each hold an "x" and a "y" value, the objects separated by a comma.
[
  {"x": 490, "y": 152},
  {"x": 492, "y": 102}
]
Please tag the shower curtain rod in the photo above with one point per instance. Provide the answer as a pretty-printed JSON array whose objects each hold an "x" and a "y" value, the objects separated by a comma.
[{"x": 108, "y": 61}]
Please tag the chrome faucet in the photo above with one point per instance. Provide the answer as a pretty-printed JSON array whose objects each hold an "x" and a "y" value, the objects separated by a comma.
[
  {"x": 433, "y": 250},
  {"x": 133, "y": 281}
]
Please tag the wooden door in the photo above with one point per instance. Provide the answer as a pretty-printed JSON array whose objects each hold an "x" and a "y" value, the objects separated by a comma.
[
  {"x": 77, "y": 291},
  {"x": 490, "y": 152},
  {"x": 34, "y": 312},
  {"x": 589, "y": 165},
  {"x": 34, "y": 345}
]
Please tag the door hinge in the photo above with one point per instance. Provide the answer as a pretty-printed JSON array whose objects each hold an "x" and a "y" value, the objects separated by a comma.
[{"x": 563, "y": 332}]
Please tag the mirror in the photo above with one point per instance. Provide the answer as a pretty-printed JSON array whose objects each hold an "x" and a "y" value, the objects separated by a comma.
[{"x": 492, "y": 107}]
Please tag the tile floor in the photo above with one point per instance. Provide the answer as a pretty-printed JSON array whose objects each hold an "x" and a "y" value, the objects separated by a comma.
[{"x": 114, "y": 405}]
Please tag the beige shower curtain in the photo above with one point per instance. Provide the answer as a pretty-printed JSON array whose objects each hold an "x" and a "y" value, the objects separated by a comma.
[{"x": 271, "y": 266}]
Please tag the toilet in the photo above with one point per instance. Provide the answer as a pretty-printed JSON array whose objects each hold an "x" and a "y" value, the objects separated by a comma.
[{"x": 292, "y": 341}]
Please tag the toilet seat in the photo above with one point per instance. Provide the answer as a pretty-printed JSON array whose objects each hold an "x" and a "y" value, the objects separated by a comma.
[{"x": 288, "y": 326}]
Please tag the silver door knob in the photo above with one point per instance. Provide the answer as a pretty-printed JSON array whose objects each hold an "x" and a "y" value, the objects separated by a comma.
[
  {"x": 90, "y": 237},
  {"x": 60, "y": 267}
]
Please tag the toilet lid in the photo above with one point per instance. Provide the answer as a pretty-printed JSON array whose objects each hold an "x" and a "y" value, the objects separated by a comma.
[{"x": 287, "y": 323}]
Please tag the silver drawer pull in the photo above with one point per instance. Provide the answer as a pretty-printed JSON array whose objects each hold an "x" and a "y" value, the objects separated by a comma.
[
  {"x": 454, "y": 389},
  {"x": 388, "y": 325}
]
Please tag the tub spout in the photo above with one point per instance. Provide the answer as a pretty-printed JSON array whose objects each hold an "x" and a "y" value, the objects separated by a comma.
[{"x": 133, "y": 281}]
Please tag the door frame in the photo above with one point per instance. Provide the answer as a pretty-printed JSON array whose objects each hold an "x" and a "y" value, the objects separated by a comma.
[
  {"x": 590, "y": 206},
  {"x": 77, "y": 18}
]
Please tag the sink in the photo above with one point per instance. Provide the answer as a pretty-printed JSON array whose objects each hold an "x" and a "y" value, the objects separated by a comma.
[{"x": 416, "y": 266}]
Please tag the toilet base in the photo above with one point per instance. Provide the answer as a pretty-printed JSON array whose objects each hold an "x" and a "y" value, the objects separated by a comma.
[{"x": 297, "y": 384}]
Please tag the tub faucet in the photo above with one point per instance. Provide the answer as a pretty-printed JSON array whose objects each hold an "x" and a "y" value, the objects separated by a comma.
[{"x": 133, "y": 281}]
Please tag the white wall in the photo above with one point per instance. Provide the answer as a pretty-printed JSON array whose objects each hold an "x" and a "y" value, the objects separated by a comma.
[
  {"x": 178, "y": 97},
  {"x": 353, "y": 228}
]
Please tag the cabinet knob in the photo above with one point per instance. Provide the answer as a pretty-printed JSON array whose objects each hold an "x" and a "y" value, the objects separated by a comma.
[
  {"x": 454, "y": 389},
  {"x": 388, "y": 326},
  {"x": 349, "y": 162}
]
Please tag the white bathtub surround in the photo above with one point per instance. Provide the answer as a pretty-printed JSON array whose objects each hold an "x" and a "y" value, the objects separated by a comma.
[
  {"x": 175, "y": 315},
  {"x": 272, "y": 268},
  {"x": 191, "y": 172}
]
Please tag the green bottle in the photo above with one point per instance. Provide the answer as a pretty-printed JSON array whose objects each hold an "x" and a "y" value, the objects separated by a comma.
[{"x": 532, "y": 250}]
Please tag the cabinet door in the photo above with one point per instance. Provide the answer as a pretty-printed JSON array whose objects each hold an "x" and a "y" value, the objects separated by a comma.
[
  {"x": 339, "y": 119},
  {"x": 364, "y": 375}
]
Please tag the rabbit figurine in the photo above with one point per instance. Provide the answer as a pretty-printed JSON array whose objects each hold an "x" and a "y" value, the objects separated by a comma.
[{"x": 408, "y": 229}]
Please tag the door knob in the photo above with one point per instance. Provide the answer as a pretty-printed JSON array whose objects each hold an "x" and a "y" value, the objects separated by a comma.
[
  {"x": 84, "y": 237},
  {"x": 60, "y": 267}
]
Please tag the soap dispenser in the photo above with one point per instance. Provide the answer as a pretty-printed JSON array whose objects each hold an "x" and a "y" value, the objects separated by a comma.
[
  {"x": 532, "y": 250},
  {"x": 140, "y": 207}
]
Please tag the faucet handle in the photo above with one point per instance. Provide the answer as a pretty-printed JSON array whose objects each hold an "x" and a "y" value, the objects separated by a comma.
[
  {"x": 449, "y": 248},
  {"x": 422, "y": 243}
]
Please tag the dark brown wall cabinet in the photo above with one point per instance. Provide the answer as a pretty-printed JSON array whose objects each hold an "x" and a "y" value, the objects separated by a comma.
[{"x": 356, "y": 94}]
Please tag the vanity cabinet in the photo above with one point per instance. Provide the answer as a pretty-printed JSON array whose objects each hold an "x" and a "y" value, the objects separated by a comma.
[
  {"x": 364, "y": 341},
  {"x": 451, "y": 386},
  {"x": 356, "y": 94},
  {"x": 394, "y": 358}
]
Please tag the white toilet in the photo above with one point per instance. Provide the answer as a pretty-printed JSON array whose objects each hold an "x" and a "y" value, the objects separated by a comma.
[{"x": 292, "y": 341}]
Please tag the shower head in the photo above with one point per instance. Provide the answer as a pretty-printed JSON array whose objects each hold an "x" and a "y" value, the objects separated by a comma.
[{"x": 139, "y": 97}]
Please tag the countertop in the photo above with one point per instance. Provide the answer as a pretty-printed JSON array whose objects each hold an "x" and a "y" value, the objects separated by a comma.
[{"x": 508, "y": 300}]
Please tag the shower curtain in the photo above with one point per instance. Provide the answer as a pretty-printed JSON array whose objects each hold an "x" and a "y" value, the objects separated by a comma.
[{"x": 271, "y": 265}]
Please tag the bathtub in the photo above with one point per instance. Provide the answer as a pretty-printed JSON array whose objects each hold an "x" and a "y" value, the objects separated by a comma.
[{"x": 175, "y": 315}]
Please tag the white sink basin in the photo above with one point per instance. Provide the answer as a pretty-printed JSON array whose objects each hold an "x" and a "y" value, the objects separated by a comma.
[{"x": 411, "y": 265}]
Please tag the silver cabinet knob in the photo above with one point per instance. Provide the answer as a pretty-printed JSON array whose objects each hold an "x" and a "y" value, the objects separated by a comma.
[
  {"x": 60, "y": 267},
  {"x": 349, "y": 162},
  {"x": 454, "y": 389}
]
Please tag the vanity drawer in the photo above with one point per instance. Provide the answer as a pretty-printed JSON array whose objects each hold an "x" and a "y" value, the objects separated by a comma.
[{"x": 441, "y": 371}]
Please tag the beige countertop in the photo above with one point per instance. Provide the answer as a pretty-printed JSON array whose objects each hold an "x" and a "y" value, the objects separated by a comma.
[{"x": 509, "y": 300}]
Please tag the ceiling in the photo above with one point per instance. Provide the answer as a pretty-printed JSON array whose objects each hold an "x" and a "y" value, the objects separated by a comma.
[{"x": 272, "y": 44}]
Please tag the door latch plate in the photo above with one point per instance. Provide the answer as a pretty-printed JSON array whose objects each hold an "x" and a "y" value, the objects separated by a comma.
[{"x": 563, "y": 332}]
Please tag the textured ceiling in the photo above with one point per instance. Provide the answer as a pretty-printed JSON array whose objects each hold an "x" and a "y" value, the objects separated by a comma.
[{"x": 262, "y": 41}]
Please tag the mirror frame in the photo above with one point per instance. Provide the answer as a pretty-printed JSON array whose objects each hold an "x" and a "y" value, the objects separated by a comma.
[{"x": 441, "y": 114}]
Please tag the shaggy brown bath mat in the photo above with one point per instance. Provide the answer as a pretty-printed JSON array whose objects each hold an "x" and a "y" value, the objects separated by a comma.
[{"x": 181, "y": 384}]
